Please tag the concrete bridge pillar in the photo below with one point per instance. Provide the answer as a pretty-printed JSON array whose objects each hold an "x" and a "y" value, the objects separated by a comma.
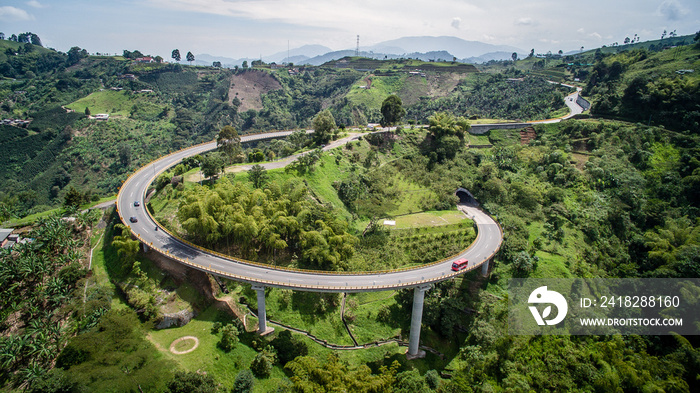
[
  {"x": 485, "y": 268},
  {"x": 416, "y": 318},
  {"x": 262, "y": 317},
  {"x": 145, "y": 247}
]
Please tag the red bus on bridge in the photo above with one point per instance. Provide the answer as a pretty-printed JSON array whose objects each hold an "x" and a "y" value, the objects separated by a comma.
[{"x": 459, "y": 264}]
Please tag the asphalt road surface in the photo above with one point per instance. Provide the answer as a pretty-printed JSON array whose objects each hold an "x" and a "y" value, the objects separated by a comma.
[{"x": 487, "y": 243}]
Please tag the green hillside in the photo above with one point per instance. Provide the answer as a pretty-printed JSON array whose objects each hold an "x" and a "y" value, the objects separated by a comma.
[
  {"x": 666, "y": 85},
  {"x": 614, "y": 194},
  {"x": 190, "y": 104},
  {"x": 119, "y": 103}
]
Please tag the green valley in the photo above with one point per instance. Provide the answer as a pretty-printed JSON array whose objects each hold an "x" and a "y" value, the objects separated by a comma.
[{"x": 610, "y": 193}]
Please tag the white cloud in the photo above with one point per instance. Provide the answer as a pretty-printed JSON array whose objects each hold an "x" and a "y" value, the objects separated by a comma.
[
  {"x": 596, "y": 36},
  {"x": 525, "y": 22},
  {"x": 35, "y": 4},
  {"x": 9, "y": 13},
  {"x": 455, "y": 23},
  {"x": 581, "y": 31},
  {"x": 381, "y": 18},
  {"x": 672, "y": 10}
]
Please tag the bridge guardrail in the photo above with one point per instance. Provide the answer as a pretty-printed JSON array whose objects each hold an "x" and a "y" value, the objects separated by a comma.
[{"x": 450, "y": 274}]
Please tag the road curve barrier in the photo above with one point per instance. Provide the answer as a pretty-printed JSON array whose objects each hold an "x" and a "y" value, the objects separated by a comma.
[{"x": 236, "y": 266}]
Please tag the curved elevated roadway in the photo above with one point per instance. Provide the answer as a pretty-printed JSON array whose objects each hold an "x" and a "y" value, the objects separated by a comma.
[{"x": 487, "y": 243}]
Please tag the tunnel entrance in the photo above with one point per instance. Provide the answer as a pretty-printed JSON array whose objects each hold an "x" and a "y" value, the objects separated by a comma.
[{"x": 466, "y": 197}]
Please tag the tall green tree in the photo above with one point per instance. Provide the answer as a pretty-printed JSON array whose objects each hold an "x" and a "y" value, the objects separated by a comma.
[
  {"x": 176, "y": 55},
  {"x": 212, "y": 165},
  {"x": 73, "y": 198},
  {"x": 392, "y": 111},
  {"x": 229, "y": 142},
  {"x": 323, "y": 125},
  {"x": 258, "y": 175},
  {"x": 190, "y": 57},
  {"x": 308, "y": 374}
]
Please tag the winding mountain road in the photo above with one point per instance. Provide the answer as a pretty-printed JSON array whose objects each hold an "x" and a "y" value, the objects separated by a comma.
[
  {"x": 151, "y": 234},
  {"x": 487, "y": 243}
]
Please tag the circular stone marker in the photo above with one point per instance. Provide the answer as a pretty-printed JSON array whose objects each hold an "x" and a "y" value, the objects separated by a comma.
[{"x": 181, "y": 339}]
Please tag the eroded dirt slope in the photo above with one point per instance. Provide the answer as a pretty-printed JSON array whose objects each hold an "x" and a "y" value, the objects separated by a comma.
[{"x": 248, "y": 86}]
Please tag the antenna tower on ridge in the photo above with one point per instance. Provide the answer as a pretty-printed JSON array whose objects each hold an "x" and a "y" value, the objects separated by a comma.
[{"x": 357, "y": 49}]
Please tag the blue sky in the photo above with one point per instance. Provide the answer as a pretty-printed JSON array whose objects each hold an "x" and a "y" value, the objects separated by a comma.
[{"x": 250, "y": 28}]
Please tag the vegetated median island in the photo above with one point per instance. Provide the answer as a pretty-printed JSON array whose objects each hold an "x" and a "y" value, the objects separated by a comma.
[{"x": 300, "y": 218}]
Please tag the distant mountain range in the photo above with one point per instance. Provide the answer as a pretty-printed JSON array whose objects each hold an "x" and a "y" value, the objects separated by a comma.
[
  {"x": 423, "y": 48},
  {"x": 456, "y": 46}
]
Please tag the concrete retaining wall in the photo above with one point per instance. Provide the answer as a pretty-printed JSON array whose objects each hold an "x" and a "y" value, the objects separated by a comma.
[{"x": 483, "y": 128}]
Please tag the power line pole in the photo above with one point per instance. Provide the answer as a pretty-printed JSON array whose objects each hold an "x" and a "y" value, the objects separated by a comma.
[{"x": 357, "y": 49}]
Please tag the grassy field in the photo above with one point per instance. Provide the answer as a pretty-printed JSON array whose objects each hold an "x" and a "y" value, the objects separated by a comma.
[
  {"x": 116, "y": 103},
  {"x": 438, "y": 221},
  {"x": 560, "y": 112},
  {"x": 100, "y": 275},
  {"x": 660, "y": 64},
  {"x": 362, "y": 309},
  {"x": 382, "y": 87},
  {"x": 491, "y": 121},
  {"x": 429, "y": 219},
  {"x": 482, "y": 139},
  {"x": 303, "y": 311},
  {"x": 504, "y": 137},
  {"x": 209, "y": 358},
  {"x": 409, "y": 196}
]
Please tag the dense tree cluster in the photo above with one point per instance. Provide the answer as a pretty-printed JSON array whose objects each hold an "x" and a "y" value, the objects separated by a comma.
[
  {"x": 280, "y": 220},
  {"x": 37, "y": 280},
  {"x": 630, "y": 211},
  {"x": 498, "y": 97},
  {"x": 24, "y": 38},
  {"x": 332, "y": 374}
]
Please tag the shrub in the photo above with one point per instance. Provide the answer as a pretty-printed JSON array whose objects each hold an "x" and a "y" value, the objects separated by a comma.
[
  {"x": 244, "y": 382},
  {"x": 229, "y": 338}
]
